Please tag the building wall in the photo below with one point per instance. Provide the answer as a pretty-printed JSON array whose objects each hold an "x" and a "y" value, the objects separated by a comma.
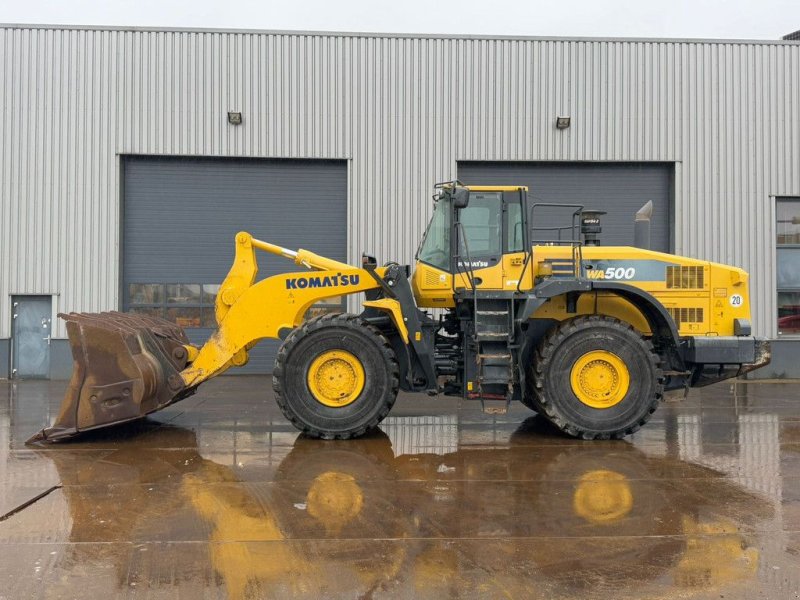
[{"x": 403, "y": 110}]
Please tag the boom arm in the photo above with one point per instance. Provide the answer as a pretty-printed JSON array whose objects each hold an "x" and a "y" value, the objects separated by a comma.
[{"x": 247, "y": 312}]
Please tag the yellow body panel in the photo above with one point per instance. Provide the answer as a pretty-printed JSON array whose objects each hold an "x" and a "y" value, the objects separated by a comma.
[
  {"x": 703, "y": 297},
  {"x": 392, "y": 307},
  {"x": 433, "y": 288}
]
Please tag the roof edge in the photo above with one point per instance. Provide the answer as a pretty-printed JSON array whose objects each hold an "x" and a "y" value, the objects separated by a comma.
[{"x": 363, "y": 34}]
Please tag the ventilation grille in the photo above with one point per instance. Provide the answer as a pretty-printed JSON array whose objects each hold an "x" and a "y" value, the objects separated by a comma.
[
  {"x": 685, "y": 278},
  {"x": 431, "y": 279},
  {"x": 686, "y": 315}
]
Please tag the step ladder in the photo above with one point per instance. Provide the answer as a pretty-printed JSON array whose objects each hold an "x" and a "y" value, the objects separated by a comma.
[{"x": 493, "y": 336}]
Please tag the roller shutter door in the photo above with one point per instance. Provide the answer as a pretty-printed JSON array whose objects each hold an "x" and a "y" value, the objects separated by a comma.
[
  {"x": 180, "y": 217},
  {"x": 620, "y": 189}
]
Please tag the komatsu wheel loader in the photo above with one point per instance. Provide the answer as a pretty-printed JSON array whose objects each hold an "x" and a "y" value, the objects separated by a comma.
[{"x": 586, "y": 335}]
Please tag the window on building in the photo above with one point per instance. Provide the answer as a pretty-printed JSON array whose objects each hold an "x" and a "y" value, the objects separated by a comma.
[
  {"x": 188, "y": 305},
  {"x": 191, "y": 305},
  {"x": 788, "y": 251}
]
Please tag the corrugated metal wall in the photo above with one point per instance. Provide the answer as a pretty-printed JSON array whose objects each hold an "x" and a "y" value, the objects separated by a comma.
[{"x": 403, "y": 109}]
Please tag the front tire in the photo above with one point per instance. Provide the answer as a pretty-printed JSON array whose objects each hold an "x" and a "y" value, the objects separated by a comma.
[
  {"x": 335, "y": 377},
  {"x": 595, "y": 377}
]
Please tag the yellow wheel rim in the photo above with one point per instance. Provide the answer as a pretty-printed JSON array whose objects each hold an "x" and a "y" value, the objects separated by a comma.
[
  {"x": 336, "y": 378},
  {"x": 602, "y": 496},
  {"x": 600, "y": 379}
]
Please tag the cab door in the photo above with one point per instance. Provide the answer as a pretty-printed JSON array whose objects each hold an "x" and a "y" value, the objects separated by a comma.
[
  {"x": 489, "y": 240},
  {"x": 516, "y": 243}
]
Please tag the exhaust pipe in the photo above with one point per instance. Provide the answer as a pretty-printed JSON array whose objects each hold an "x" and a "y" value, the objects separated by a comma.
[{"x": 641, "y": 226}]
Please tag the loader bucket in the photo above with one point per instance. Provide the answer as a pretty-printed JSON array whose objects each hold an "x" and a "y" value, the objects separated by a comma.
[{"x": 125, "y": 367}]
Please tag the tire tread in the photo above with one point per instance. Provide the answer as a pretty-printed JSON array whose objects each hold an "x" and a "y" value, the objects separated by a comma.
[
  {"x": 344, "y": 321},
  {"x": 539, "y": 367}
]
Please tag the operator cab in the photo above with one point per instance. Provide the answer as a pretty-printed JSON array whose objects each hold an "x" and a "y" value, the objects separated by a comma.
[{"x": 476, "y": 236}]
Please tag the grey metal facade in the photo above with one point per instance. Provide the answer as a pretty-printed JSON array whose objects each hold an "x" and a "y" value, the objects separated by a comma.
[{"x": 402, "y": 110}]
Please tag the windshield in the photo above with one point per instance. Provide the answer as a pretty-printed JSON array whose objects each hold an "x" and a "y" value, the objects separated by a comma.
[{"x": 435, "y": 246}]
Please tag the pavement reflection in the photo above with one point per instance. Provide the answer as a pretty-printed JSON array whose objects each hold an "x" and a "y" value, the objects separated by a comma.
[
  {"x": 360, "y": 519},
  {"x": 218, "y": 497}
]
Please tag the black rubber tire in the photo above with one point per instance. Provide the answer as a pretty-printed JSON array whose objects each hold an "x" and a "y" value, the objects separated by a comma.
[
  {"x": 551, "y": 391},
  {"x": 526, "y": 398},
  {"x": 329, "y": 332}
]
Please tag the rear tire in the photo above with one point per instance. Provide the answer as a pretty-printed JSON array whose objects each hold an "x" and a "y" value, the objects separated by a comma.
[
  {"x": 595, "y": 377},
  {"x": 352, "y": 348}
]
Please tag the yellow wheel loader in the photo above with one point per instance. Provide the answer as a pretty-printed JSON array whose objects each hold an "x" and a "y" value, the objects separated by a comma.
[{"x": 589, "y": 336}]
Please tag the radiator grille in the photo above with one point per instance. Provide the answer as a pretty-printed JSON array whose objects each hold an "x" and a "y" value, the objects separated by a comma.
[
  {"x": 686, "y": 315},
  {"x": 685, "y": 278}
]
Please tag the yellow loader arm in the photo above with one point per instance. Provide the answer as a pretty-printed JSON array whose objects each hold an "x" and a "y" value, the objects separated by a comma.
[
  {"x": 126, "y": 366},
  {"x": 248, "y": 312}
]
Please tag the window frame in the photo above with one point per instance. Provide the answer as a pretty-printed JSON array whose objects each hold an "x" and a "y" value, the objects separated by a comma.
[
  {"x": 491, "y": 253},
  {"x": 778, "y": 246},
  {"x": 203, "y": 304},
  {"x": 207, "y": 305}
]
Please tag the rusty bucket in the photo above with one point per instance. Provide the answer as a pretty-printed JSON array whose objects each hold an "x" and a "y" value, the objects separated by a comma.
[{"x": 125, "y": 367}]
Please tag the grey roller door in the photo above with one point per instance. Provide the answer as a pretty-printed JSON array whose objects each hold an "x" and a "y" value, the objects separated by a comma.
[
  {"x": 180, "y": 217},
  {"x": 620, "y": 189}
]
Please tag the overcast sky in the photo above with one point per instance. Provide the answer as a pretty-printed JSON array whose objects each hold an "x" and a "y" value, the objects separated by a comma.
[{"x": 742, "y": 19}]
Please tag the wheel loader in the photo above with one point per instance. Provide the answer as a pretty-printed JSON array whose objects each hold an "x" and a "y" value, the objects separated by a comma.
[{"x": 498, "y": 308}]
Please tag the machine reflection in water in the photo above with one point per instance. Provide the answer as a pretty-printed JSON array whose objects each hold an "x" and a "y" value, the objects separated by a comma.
[{"x": 361, "y": 519}]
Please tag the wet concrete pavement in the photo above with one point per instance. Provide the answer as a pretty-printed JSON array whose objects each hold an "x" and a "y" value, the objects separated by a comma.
[{"x": 218, "y": 497}]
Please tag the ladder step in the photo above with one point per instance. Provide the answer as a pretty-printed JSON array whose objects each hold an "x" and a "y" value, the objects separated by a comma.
[
  {"x": 492, "y": 406},
  {"x": 508, "y": 356},
  {"x": 488, "y": 336},
  {"x": 492, "y": 312}
]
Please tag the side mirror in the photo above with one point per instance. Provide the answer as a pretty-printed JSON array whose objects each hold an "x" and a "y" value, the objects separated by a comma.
[{"x": 460, "y": 197}]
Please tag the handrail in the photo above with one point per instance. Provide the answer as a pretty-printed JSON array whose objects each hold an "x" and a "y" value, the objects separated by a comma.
[
  {"x": 575, "y": 241},
  {"x": 471, "y": 273}
]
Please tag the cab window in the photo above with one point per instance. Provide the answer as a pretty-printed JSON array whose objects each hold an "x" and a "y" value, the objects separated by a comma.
[
  {"x": 515, "y": 241},
  {"x": 481, "y": 224},
  {"x": 435, "y": 246}
]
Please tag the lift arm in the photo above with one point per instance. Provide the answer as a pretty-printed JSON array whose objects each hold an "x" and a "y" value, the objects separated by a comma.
[{"x": 248, "y": 312}]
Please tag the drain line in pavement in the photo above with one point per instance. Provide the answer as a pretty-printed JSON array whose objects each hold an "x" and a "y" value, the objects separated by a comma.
[{"x": 27, "y": 503}]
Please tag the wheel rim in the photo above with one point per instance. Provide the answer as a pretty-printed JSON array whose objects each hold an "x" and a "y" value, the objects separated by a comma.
[
  {"x": 600, "y": 379},
  {"x": 336, "y": 378},
  {"x": 602, "y": 496}
]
